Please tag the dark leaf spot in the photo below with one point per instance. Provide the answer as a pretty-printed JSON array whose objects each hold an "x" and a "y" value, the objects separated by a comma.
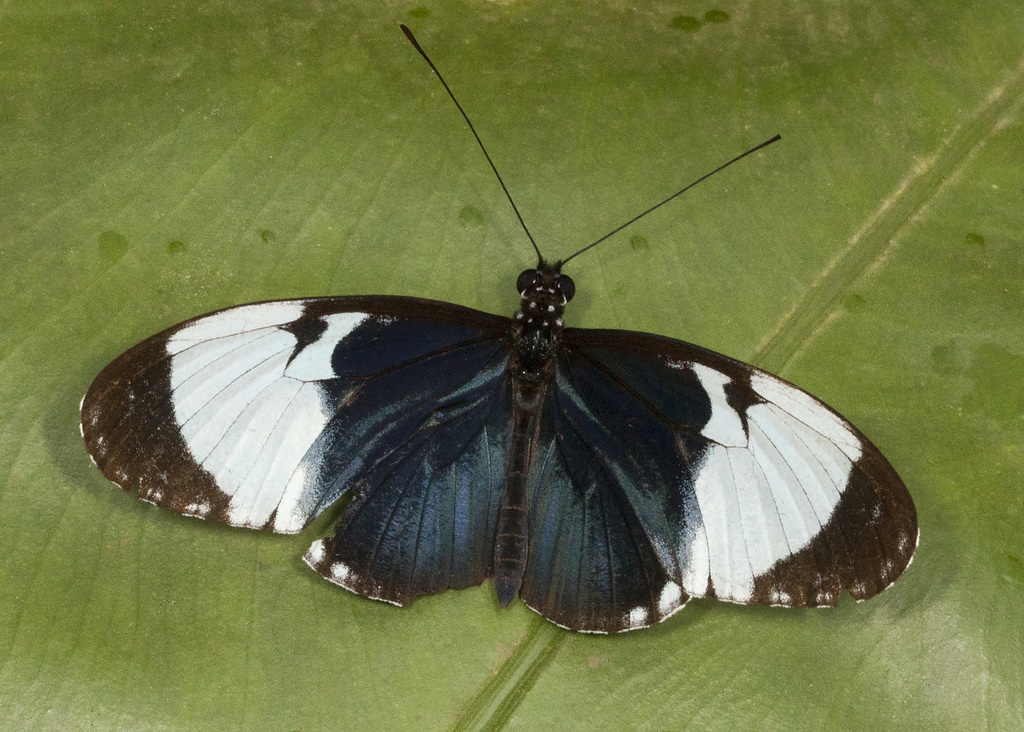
[
  {"x": 113, "y": 246},
  {"x": 471, "y": 217},
  {"x": 686, "y": 23}
]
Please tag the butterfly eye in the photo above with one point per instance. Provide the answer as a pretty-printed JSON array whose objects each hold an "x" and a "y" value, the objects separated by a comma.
[
  {"x": 566, "y": 286},
  {"x": 526, "y": 280}
]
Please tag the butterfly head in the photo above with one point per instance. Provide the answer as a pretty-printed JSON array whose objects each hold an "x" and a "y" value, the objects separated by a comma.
[
  {"x": 546, "y": 283},
  {"x": 545, "y": 291}
]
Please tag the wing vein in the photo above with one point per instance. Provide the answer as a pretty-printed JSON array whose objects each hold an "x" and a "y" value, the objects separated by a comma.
[
  {"x": 799, "y": 482},
  {"x": 199, "y": 463},
  {"x": 224, "y": 355},
  {"x": 609, "y": 556},
  {"x": 419, "y": 527},
  {"x": 259, "y": 452},
  {"x": 227, "y": 385},
  {"x": 742, "y": 532}
]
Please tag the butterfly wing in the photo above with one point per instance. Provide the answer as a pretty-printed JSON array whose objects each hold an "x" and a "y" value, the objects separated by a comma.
[
  {"x": 263, "y": 415},
  {"x": 672, "y": 471},
  {"x": 423, "y": 516}
]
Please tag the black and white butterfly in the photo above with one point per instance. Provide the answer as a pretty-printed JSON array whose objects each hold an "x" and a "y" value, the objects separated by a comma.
[{"x": 603, "y": 476}]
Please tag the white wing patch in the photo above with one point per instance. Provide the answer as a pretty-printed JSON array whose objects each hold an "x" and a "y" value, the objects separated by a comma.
[
  {"x": 808, "y": 410},
  {"x": 670, "y": 599},
  {"x": 233, "y": 321},
  {"x": 766, "y": 496},
  {"x": 239, "y": 374},
  {"x": 314, "y": 361},
  {"x": 725, "y": 426},
  {"x": 246, "y": 414},
  {"x": 636, "y": 618}
]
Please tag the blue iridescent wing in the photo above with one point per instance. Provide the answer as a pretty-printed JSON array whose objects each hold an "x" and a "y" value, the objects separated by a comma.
[
  {"x": 423, "y": 513},
  {"x": 263, "y": 415},
  {"x": 669, "y": 471}
]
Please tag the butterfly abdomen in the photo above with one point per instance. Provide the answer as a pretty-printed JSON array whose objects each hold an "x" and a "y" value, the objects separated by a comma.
[{"x": 512, "y": 540}]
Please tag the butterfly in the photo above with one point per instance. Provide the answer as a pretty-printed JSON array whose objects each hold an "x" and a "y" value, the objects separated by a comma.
[{"x": 602, "y": 476}]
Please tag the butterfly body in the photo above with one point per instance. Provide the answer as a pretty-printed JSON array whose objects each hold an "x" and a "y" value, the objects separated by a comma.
[{"x": 536, "y": 336}]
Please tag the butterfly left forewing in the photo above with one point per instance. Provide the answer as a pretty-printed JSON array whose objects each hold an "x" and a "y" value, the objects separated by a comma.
[{"x": 262, "y": 415}]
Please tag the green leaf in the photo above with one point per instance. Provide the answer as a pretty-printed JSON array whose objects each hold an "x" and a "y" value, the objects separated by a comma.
[{"x": 161, "y": 160}]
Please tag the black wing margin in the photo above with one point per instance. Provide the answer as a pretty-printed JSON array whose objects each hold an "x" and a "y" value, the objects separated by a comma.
[{"x": 679, "y": 472}]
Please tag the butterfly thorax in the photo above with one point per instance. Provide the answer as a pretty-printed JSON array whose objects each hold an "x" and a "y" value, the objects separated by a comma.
[{"x": 537, "y": 327}]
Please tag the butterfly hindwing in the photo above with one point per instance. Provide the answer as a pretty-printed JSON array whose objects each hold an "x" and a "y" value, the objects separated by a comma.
[
  {"x": 262, "y": 415},
  {"x": 692, "y": 474},
  {"x": 423, "y": 513},
  {"x": 601, "y": 518}
]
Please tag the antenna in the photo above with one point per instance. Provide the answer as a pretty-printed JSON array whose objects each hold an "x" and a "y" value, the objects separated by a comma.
[
  {"x": 416, "y": 45},
  {"x": 704, "y": 177}
]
